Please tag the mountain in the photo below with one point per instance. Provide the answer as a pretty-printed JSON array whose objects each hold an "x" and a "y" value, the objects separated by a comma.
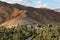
[
  {"x": 14, "y": 14},
  {"x": 58, "y": 10}
]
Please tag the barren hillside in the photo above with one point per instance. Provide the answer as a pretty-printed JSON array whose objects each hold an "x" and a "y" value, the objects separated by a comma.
[{"x": 13, "y": 14}]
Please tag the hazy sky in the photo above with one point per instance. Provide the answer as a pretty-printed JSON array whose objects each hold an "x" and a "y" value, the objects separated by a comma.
[{"x": 37, "y": 3}]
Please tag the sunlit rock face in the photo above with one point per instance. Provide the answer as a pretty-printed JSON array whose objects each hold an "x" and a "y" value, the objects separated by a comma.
[{"x": 14, "y": 14}]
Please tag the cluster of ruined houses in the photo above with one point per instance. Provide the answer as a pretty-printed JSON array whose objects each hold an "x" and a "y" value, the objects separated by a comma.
[
  {"x": 35, "y": 25},
  {"x": 27, "y": 25}
]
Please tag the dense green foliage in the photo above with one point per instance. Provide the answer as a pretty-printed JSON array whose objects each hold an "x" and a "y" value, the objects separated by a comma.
[{"x": 42, "y": 32}]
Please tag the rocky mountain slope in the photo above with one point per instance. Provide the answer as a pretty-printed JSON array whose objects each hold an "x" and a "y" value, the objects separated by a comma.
[{"x": 13, "y": 14}]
